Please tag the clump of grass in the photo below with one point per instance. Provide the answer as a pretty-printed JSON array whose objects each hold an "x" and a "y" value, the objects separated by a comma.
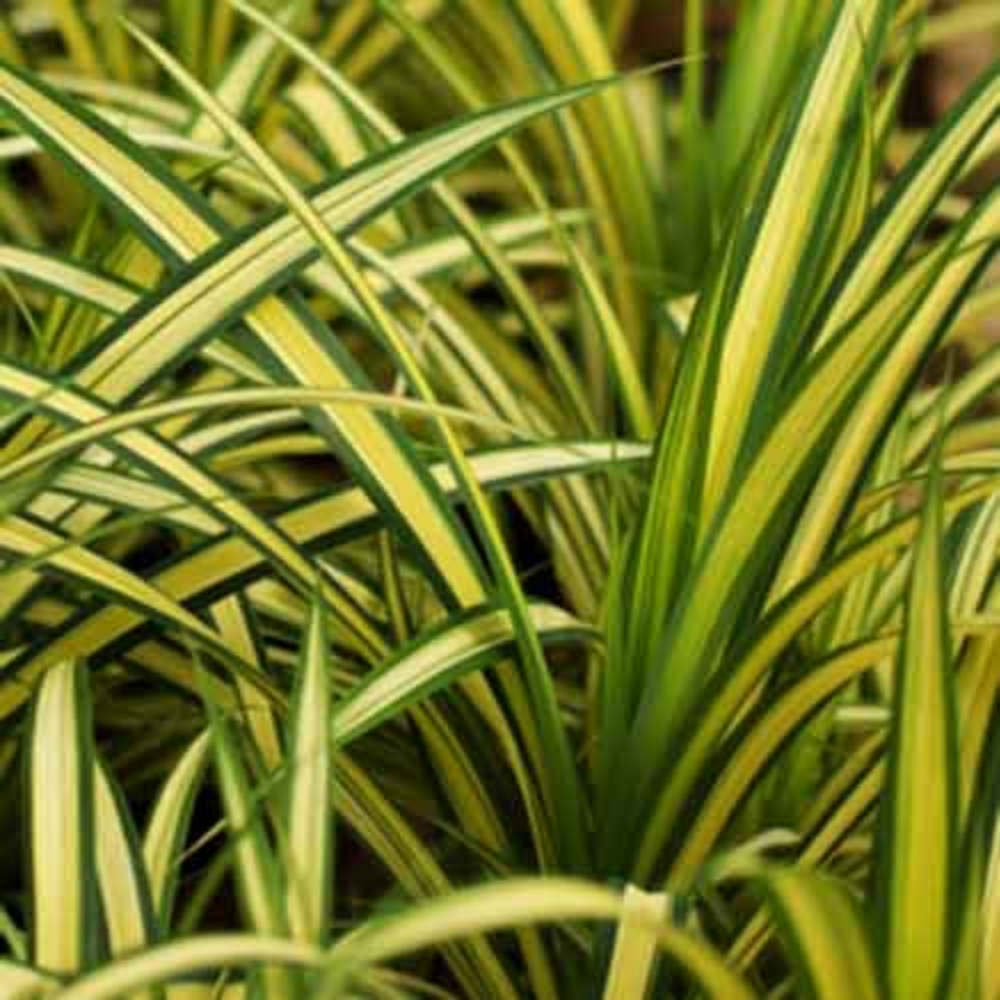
[{"x": 475, "y": 523}]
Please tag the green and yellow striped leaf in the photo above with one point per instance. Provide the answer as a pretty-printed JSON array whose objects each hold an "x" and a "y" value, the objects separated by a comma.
[
  {"x": 309, "y": 860},
  {"x": 166, "y": 832},
  {"x": 824, "y": 928},
  {"x": 918, "y": 846},
  {"x": 61, "y": 824}
]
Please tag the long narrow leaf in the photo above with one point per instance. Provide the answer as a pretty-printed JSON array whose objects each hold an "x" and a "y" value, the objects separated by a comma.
[
  {"x": 61, "y": 823},
  {"x": 918, "y": 851}
]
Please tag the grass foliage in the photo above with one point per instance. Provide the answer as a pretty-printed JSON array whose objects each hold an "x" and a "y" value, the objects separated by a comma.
[{"x": 477, "y": 523}]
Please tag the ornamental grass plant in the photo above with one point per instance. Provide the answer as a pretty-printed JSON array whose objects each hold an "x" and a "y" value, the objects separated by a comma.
[{"x": 482, "y": 518}]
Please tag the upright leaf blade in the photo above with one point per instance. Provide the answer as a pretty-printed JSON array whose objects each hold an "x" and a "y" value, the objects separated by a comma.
[
  {"x": 918, "y": 836},
  {"x": 633, "y": 963},
  {"x": 258, "y": 876},
  {"x": 168, "y": 825},
  {"x": 61, "y": 822},
  {"x": 825, "y": 930},
  {"x": 310, "y": 816},
  {"x": 121, "y": 873}
]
